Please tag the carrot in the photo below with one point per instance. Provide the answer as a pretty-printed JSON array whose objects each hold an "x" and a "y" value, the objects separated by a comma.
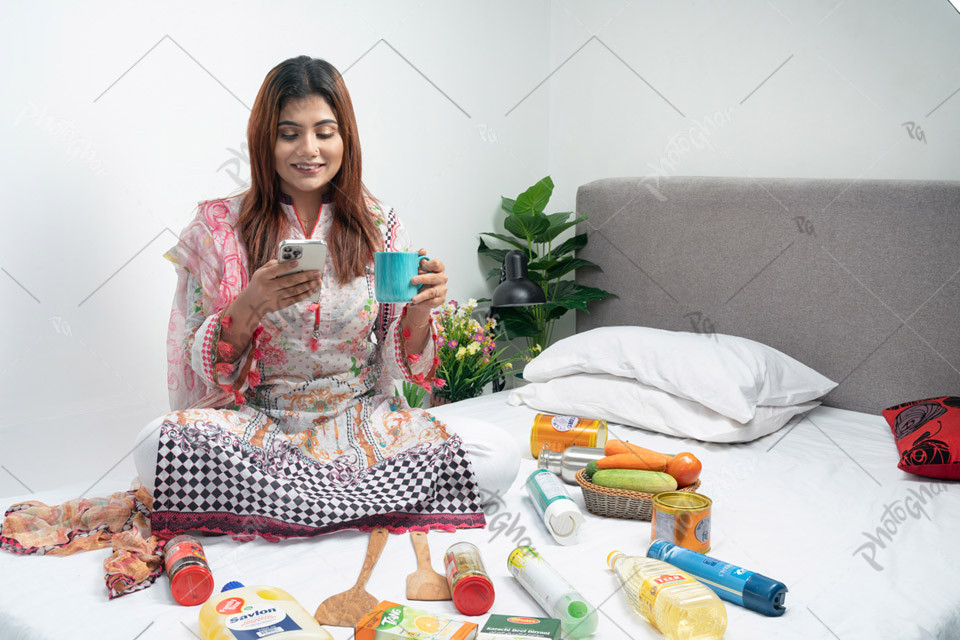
[
  {"x": 651, "y": 461},
  {"x": 615, "y": 447}
]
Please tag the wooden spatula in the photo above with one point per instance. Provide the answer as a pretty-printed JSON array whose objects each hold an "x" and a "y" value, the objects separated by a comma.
[
  {"x": 425, "y": 583},
  {"x": 347, "y": 608}
]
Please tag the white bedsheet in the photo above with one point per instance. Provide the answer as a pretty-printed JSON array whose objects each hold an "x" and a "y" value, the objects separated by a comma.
[{"x": 796, "y": 506}]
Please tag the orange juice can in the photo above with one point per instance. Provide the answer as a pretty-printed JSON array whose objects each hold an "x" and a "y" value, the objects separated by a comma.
[
  {"x": 560, "y": 432},
  {"x": 683, "y": 518}
]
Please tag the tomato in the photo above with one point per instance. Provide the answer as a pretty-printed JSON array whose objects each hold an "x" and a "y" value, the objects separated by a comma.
[{"x": 685, "y": 468}]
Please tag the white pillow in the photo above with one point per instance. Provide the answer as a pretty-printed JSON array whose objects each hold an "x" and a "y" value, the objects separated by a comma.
[
  {"x": 728, "y": 374},
  {"x": 628, "y": 402}
]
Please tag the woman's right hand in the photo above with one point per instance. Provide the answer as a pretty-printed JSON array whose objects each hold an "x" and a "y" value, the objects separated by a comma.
[{"x": 272, "y": 287}]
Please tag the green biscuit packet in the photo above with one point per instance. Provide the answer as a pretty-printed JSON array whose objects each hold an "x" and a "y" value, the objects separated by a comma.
[{"x": 519, "y": 628}]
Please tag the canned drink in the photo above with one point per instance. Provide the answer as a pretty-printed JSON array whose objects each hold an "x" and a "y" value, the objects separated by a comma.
[
  {"x": 560, "y": 432},
  {"x": 683, "y": 518}
]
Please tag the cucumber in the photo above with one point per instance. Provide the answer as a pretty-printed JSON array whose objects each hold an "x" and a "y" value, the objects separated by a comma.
[
  {"x": 591, "y": 468},
  {"x": 635, "y": 480}
]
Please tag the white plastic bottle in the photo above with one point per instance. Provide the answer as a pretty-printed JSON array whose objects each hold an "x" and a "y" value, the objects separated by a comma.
[
  {"x": 673, "y": 601},
  {"x": 578, "y": 618},
  {"x": 557, "y": 509}
]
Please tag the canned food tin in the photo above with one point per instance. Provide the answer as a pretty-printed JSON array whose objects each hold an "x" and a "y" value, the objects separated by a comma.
[
  {"x": 560, "y": 432},
  {"x": 683, "y": 518}
]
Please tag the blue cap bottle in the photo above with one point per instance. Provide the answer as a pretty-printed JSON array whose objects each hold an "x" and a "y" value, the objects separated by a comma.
[{"x": 730, "y": 582}]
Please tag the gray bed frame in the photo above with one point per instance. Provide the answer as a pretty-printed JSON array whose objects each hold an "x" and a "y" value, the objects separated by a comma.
[{"x": 859, "y": 279}]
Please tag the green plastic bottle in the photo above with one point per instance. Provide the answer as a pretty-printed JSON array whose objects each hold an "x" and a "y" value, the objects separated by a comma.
[{"x": 578, "y": 618}]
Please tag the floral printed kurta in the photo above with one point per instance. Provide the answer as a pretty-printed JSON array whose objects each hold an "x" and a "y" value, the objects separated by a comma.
[{"x": 336, "y": 400}]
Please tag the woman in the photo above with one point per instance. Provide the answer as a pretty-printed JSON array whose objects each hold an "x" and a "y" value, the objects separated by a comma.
[{"x": 285, "y": 418}]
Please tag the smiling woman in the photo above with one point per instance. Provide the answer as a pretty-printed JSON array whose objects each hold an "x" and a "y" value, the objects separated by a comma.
[{"x": 285, "y": 422}]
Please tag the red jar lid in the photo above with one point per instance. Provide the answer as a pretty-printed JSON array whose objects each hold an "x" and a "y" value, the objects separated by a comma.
[
  {"x": 192, "y": 585},
  {"x": 473, "y": 595}
]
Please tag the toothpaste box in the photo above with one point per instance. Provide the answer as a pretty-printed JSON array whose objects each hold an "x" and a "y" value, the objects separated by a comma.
[
  {"x": 392, "y": 621},
  {"x": 519, "y": 628}
]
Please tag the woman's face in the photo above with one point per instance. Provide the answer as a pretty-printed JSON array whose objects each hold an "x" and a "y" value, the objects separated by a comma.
[{"x": 307, "y": 134}]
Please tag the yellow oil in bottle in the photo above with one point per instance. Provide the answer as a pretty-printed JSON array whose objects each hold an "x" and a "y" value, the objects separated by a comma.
[
  {"x": 673, "y": 601},
  {"x": 239, "y": 613}
]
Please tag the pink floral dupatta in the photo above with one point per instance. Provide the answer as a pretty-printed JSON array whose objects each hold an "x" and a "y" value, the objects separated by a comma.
[{"x": 210, "y": 251}]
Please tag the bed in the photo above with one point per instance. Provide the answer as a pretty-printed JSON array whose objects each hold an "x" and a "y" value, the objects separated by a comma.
[
  {"x": 792, "y": 506},
  {"x": 866, "y": 550}
]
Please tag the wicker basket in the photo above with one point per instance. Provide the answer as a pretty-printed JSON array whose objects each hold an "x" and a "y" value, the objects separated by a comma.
[{"x": 619, "y": 503}]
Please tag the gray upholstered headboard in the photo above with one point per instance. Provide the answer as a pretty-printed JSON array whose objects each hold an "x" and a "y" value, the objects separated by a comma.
[{"x": 860, "y": 279}]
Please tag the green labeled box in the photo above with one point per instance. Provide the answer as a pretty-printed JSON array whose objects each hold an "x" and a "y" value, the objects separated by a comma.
[{"x": 519, "y": 628}]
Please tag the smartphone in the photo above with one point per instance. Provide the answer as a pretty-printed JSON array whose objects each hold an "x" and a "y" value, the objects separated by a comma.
[{"x": 311, "y": 254}]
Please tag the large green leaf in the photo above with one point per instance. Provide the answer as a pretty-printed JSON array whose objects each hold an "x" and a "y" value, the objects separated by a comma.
[
  {"x": 512, "y": 241},
  {"x": 556, "y": 230},
  {"x": 490, "y": 252},
  {"x": 570, "y": 295},
  {"x": 542, "y": 265},
  {"x": 507, "y": 204},
  {"x": 517, "y": 322},
  {"x": 571, "y": 244},
  {"x": 534, "y": 199},
  {"x": 493, "y": 272},
  {"x": 559, "y": 218},
  {"x": 565, "y": 266},
  {"x": 555, "y": 311},
  {"x": 526, "y": 226}
]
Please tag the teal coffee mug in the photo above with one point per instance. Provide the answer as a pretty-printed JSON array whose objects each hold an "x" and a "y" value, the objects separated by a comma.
[{"x": 393, "y": 271}]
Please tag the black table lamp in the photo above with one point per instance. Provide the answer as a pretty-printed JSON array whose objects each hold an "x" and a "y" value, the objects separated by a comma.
[{"x": 515, "y": 290}]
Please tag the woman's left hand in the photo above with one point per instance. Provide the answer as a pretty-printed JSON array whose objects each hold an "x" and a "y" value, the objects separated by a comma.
[{"x": 433, "y": 277}]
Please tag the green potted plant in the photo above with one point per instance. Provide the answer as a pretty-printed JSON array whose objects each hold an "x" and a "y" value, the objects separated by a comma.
[{"x": 534, "y": 232}]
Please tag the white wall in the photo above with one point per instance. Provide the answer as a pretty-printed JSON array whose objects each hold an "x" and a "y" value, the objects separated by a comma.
[
  {"x": 854, "y": 72},
  {"x": 118, "y": 118}
]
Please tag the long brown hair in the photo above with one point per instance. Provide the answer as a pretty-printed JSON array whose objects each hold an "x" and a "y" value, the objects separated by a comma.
[{"x": 353, "y": 234}]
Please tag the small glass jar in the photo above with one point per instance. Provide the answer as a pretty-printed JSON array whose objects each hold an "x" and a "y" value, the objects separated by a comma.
[
  {"x": 470, "y": 585},
  {"x": 191, "y": 581}
]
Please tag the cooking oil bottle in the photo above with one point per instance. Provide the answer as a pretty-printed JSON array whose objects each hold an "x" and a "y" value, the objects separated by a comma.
[
  {"x": 671, "y": 600},
  {"x": 253, "y": 613}
]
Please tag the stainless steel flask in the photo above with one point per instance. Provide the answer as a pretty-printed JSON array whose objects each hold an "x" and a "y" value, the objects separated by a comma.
[{"x": 566, "y": 463}]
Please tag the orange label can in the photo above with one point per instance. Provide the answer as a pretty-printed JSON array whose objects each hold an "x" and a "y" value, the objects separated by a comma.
[
  {"x": 683, "y": 518},
  {"x": 560, "y": 432}
]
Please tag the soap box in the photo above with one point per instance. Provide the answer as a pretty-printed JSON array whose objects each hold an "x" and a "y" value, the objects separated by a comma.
[
  {"x": 392, "y": 621},
  {"x": 519, "y": 628}
]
